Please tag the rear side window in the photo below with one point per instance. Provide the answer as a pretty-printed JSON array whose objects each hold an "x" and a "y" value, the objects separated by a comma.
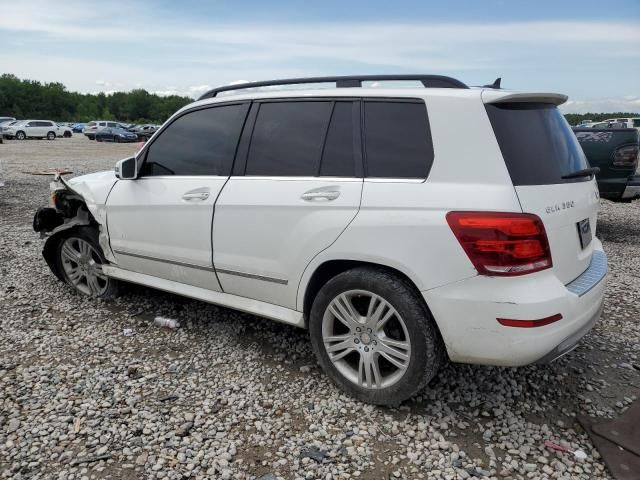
[
  {"x": 202, "y": 142},
  {"x": 397, "y": 139},
  {"x": 287, "y": 138},
  {"x": 338, "y": 156},
  {"x": 636, "y": 122},
  {"x": 537, "y": 144}
]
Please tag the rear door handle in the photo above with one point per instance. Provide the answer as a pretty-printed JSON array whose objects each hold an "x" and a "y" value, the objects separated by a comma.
[
  {"x": 192, "y": 196},
  {"x": 321, "y": 195}
]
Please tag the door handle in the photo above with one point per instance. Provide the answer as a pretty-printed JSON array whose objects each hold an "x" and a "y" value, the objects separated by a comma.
[
  {"x": 195, "y": 196},
  {"x": 322, "y": 195}
]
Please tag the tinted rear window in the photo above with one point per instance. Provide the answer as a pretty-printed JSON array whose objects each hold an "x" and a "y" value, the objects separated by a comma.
[
  {"x": 338, "y": 156},
  {"x": 397, "y": 139},
  {"x": 287, "y": 138},
  {"x": 537, "y": 143}
]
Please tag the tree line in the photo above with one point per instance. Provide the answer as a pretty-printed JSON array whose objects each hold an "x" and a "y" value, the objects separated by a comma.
[
  {"x": 25, "y": 99},
  {"x": 32, "y": 99}
]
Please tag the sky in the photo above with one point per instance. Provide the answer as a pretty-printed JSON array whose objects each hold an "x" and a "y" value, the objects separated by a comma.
[{"x": 587, "y": 49}]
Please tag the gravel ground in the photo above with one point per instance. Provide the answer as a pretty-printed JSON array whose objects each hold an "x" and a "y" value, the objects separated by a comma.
[{"x": 228, "y": 395}]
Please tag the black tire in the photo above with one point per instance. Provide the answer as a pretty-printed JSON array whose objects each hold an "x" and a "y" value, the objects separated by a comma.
[
  {"x": 98, "y": 139},
  {"x": 51, "y": 136},
  {"x": 21, "y": 136},
  {"x": 67, "y": 134},
  {"x": 116, "y": 139},
  {"x": 427, "y": 350},
  {"x": 89, "y": 235}
]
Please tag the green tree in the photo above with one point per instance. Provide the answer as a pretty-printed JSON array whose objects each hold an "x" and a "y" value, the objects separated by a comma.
[{"x": 32, "y": 99}]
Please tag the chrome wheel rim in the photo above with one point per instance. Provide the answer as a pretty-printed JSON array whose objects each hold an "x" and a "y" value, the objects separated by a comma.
[
  {"x": 366, "y": 339},
  {"x": 83, "y": 267}
]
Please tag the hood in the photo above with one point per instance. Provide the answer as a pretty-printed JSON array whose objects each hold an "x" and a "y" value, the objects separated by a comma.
[{"x": 94, "y": 188}]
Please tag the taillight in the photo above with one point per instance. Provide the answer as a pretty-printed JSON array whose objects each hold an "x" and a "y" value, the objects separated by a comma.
[
  {"x": 626, "y": 157},
  {"x": 502, "y": 244}
]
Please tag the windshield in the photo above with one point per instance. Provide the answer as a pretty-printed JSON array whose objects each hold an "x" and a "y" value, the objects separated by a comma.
[{"x": 537, "y": 143}]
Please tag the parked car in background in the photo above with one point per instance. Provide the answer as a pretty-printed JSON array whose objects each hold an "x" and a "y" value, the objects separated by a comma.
[
  {"x": 65, "y": 131},
  {"x": 32, "y": 129},
  {"x": 633, "y": 122},
  {"x": 615, "y": 152},
  {"x": 5, "y": 126},
  {"x": 96, "y": 125},
  {"x": 357, "y": 213},
  {"x": 4, "y": 121},
  {"x": 78, "y": 127},
  {"x": 117, "y": 135},
  {"x": 145, "y": 132}
]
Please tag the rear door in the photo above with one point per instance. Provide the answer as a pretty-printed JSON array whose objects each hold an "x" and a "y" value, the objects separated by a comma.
[
  {"x": 296, "y": 186},
  {"x": 160, "y": 224},
  {"x": 31, "y": 129},
  {"x": 540, "y": 150}
]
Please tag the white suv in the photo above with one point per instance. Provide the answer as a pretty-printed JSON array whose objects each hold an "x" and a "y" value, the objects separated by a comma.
[
  {"x": 33, "y": 129},
  {"x": 362, "y": 214}
]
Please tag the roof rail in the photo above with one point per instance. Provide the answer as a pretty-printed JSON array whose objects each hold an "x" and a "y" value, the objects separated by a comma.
[{"x": 429, "y": 81}]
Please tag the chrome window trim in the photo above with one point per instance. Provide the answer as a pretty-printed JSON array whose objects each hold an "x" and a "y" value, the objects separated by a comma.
[
  {"x": 294, "y": 178},
  {"x": 394, "y": 180},
  {"x": 182, "y": 177}
]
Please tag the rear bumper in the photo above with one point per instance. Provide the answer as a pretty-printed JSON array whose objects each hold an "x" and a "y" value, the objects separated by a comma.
[
  {"x": 632, "y": 190},
  {"x": 466, "y": 313}
]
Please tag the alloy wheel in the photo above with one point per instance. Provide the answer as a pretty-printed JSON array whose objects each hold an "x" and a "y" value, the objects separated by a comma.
[
  {"x": 366, "y": 339},
  {"x": 83, "y": 267}
]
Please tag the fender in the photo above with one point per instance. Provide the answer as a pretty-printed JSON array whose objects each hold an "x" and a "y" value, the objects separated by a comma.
[{"x": 75, "y": 202}]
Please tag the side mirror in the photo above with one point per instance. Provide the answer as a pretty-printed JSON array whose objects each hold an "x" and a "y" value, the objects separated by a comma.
[{"x": 127, "y": 169}]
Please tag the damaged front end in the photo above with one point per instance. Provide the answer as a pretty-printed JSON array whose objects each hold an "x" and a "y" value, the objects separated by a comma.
[{"x": 71, "y": 205}]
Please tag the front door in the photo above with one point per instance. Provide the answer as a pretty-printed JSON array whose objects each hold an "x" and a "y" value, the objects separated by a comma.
[
  {"x": 160, "y": 224},
  {"x": 296, "y": 186}
]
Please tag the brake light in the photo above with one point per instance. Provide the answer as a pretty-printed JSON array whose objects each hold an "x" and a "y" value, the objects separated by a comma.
[
  {"x": 626, "y": 157},
  {"x": 502, "y": 244}
]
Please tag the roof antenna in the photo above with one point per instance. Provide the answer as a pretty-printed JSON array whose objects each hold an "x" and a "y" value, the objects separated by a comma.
[{"x": 495, "y": 84}]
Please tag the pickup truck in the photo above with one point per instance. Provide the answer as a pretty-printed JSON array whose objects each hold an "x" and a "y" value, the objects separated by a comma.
[{"x": 616, "y": 152}]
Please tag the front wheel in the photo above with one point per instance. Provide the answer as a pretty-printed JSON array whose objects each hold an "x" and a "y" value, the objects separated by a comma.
[
  {"x": 80, "y": 260},
  {"x": 374, "y": 337}
]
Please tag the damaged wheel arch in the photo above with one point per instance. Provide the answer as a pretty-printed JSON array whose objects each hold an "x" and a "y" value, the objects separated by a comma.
[{"x": 69, "y": 210}]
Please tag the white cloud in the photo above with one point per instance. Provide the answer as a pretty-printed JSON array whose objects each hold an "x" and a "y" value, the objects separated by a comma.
[
  {"x": 579, "y": 58},
  {"x": 628, "y": 103}
]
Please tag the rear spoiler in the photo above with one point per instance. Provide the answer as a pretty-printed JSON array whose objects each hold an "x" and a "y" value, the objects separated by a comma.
[{"x": 493, "y": 96}]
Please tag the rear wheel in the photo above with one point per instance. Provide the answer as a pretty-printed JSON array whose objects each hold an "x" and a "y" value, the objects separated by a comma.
[
  {"x": 67, "y": 134},
  {"x": 116, "y": 139},
  {"x": 20, "y": 136},
  {"x": 98, "y": 139},
  {"x": 51, "y": 136},
  {"x": 374, "y": 337},
  {"x": 80, "y": 260}
]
